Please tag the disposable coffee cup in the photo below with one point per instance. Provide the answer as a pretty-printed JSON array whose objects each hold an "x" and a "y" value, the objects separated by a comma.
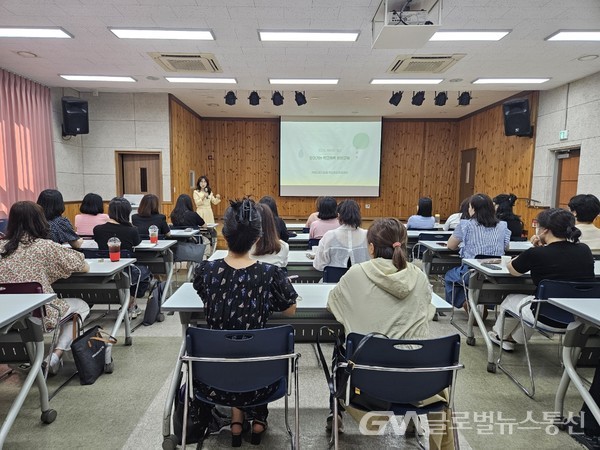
[
  {"x": 504, "y": 260},
  {"x": 153, "y": 232},
  {"x": 114, "y": 249}
]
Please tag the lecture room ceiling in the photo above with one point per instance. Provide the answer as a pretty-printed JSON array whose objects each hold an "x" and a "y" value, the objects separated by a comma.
[{"x": 94, "y": 50}]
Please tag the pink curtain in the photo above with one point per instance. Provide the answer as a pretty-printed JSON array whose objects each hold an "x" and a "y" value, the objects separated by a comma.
[{"x": 26, "y": 147}]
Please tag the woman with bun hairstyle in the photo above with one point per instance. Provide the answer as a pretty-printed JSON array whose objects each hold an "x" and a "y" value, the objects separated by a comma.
[
  {"x": 556, "y": 254},
  {"x": 504, "y": 211}
]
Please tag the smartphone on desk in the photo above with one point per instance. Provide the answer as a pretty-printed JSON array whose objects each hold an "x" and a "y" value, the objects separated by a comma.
[
  {"x": 442, "y": 244},
  {"x": 491, "y": 266}
]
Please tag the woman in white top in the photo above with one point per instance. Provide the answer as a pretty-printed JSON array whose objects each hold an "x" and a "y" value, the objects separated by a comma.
[
  {"x": 345, "y": 245},
  {"x": 204, "y": 199},
  {"x": 269, "y": 248},
  {"x": 454, "y": 220}
]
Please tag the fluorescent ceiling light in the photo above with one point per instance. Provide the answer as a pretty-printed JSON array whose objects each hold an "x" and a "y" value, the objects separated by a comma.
[
  {"x": 406, "y": 81},
  {"x": 510, "y": 80},
  {"x": 97, "y": 78},
  {"x": 309, "y": 36},
  {"x": 201, "y": 80},
  {"x": 582, "y": 35},
  {"x": 303, "y": 81},
  {"x": 469, "y": 35},
  {"x": 20, "y": 32},
  {"x": 161, "y": 33}
]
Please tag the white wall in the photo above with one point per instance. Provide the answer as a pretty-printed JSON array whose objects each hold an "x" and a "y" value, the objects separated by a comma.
[
  {"x": 576, "y": 108},
  {"x": 118, "y": 121}
]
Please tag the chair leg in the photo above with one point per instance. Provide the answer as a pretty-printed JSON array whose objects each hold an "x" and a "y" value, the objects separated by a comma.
[{"x": 531, "y": 391}]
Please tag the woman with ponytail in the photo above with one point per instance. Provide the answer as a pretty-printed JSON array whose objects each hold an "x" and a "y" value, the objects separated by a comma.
[
  {"x": 240, "y": 293},
  {"x": 557, "y": 254}
]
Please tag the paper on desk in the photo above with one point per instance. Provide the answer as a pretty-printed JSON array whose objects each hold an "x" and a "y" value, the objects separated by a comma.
[{"x": 145, "y": 245}]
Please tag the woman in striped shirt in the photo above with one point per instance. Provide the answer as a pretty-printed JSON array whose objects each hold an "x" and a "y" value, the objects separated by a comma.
[{"x": 482, "y": 234}]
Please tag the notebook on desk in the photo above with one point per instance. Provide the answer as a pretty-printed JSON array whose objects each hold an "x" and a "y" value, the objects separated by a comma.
[{"x": 145, "y": 245}]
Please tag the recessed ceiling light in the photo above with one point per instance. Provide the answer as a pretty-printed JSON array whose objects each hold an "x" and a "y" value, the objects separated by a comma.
[
  {"x": 44, "y": 32},
  {"x": 572, "y": 35},
  {"x": 151, "y": 78},
  {"x": 465, "y": 35},
  {"x": 27, "y": 54},
  {"x": 587, "y": 58},
  {"x": 162, "y": 33},
  {"x": 201, "y": 80},
  {"x": 303, "y": 80},
  {"x": 510, "y": 80},
  {"x": 308, "y": 36},
  {"x": 406, "y": 80},
  {"x": 97, "y": 78}
]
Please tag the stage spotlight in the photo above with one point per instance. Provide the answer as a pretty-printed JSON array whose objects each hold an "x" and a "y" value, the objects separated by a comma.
[
  {"x": 254, "y": 99},
  {"x": 230, "y": 98},
  {"x": 300, "y": 98},
  {"x": 277, "y": 98},
  {"x": 440, "y": 99},
  {"x": 418, "y": 98},
  {"x": 464, "y": 99},
  {"x": 395, "y": 98}
]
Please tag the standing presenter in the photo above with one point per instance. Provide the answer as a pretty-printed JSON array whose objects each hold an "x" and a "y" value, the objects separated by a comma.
[{"x": 204, "y": 199}]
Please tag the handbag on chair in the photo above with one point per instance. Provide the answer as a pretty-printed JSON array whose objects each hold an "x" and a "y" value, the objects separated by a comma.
[{"x": 89, "y": 351}]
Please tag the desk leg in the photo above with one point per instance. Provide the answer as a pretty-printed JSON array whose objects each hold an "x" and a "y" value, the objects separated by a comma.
[
  {"x": 33, "y": 337},
  {"x": 571, "y": 373}
]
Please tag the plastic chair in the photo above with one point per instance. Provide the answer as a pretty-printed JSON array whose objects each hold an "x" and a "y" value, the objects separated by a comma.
[
  {"x": 399, "y": 373},
  {"x": 333, "y": 274},
  {"x": 547, "y": 315},
  {"x": 189, "y": 252},
  {"x": 306, "y": 230},
  {"x": 313, "y": 243},
  {"x": 243, "y": 361},
  {"x": 36, "y": 288}
]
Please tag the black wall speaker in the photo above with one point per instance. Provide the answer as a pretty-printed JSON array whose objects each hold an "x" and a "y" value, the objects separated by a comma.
[
  {"x": 516, "y": 118},
  {"x": 75, "y": 116}
]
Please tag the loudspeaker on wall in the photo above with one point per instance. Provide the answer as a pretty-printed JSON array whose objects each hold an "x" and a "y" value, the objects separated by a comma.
[
  {"x": 75, "y": 116},
  {"x": 516, "y": 118}
]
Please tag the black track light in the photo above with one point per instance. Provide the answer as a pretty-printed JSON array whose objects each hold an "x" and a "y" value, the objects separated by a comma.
[
  {"x": 418, "y": 98},
  {"x": 277, "y": 98},
  {"x": 230, "y": 98},
  {"x": 440, "y": 98},
  {"x": 300, "y": 98},
  {"x": 464, "y": 99},
  {"x": 395, "y": 98},
  {"x": 254, "y": 98}
]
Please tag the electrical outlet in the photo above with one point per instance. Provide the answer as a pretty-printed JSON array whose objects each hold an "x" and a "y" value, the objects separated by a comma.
[{"x": 367, "y": 206}]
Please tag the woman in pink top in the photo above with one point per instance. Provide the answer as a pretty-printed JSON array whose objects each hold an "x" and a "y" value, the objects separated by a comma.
[
  {"x": 92, "y": 214},
  {"x": 327, "y": 218}
]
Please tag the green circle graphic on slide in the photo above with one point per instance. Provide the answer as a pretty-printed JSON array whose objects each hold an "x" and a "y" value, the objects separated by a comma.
[{"x": 360, "y": 141}]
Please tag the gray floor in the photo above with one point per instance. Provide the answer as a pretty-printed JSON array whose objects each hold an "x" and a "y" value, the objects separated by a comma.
[{"x": 124, "y": 409}]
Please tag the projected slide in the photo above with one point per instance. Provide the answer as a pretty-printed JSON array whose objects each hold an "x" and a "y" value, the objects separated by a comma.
[{"x": 330, "y": 157}]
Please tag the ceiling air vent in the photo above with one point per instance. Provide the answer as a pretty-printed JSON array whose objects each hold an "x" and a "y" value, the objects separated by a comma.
[
  {"x": 187, "y": 62},
  {"x": 424, "y": 64}
]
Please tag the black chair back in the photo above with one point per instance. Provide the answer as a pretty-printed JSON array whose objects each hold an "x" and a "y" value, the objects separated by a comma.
[
  {"x": 313, "y": 243},
  {"x": 553, "y": 315},
  {"x": 21, "y": 288},
  {"x": 306, "y": 230},
  {"x": 333, "y": 274},
  {"x": 434, "y": 236}
]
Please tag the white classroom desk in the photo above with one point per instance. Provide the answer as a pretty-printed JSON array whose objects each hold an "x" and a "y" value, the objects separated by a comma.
[
  {"x": 295, "y": 226},
  {"x": 501, "y": 281},
  {"x": 587, "y": 316},
  {"x": 17, "y": 308},
  {"x": 105, "y": 283},
  {"x": 184, "y": 233}
]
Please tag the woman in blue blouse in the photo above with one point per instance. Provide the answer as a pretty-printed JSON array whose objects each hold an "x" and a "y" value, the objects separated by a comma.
[
  {"x": 423, "y": 220},
  {"x": 240, "y": 293},
  {"x": 482, "y": 234}
]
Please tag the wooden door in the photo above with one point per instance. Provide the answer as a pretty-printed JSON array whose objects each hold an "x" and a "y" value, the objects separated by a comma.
[
  {"x": 140, "y": 174},
  {"x": 568, "y": 172},
  {"x": 467, "y": 173}
]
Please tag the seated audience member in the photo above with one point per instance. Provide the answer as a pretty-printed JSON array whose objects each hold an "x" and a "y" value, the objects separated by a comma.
[
  {"x": 389, "y": 295},
  {"x": 556, "y": 255},
  {"x": 183, "y": 215},
  {"x": 585, "y": 208},
  {"x": 223, "y": 285},
  {"x": 462, "y": 214},
  {"x": 284, "y": 235},
  {"x": 423, "y": 220},
  {"x": 327, "y": 218},
  {"x": 314, "y": 216},
  {"x": 504, "y": 211},
  {"x": 269, "y": 248},
  {"x": 61, "y": 230},
  {"x": 482, "y": 234},
  {"x": 27, "y": 255},
  {"x": 92, "y": 214},
  {"x": 148, "y": 215},
  {"x": 118, "y": 226},
  {"x": 345, "y": 245}
]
